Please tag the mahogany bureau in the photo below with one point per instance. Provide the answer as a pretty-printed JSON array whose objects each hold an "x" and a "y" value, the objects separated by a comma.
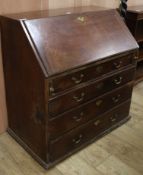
[{"x": 68, "y": 77}]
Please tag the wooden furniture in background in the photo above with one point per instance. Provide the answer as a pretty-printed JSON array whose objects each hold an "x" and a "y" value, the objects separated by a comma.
[
  {"x": 69, "y": 78},
  {"x": 134, "y": 20},
  {"x": 114, "y": 3}
]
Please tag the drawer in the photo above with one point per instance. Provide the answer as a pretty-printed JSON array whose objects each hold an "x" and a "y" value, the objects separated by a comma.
[
  {"x": 67, "y": 81},
  {"x": 79, "y": 96},
  {"x": 74, "y": 139},
  {"x": 78, "y": 116}
]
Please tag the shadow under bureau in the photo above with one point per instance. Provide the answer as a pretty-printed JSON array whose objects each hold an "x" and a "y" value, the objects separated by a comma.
[{"x": 68, "y": 78}]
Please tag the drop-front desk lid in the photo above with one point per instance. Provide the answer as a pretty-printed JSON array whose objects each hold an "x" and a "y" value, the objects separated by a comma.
[{"x": 69, "y": 41}]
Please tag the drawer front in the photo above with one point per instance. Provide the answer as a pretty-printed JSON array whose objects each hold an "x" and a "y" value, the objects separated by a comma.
[
  {"x": 87, "y": 74},
  {"x": 88, "y": 111},
  {"x": 81, "y": 95},
  {"x": 74, "y": 139}
]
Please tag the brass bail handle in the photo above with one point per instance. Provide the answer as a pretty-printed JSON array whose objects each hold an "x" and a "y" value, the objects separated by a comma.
[
  {"x": 79, "y": 98},
  {"x": 78, "y": 80}
]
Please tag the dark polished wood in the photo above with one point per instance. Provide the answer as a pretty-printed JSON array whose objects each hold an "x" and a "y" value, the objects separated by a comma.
[
  {"x": 95, "y": 71},
  {"x": 134, "y": 20},
  {"x": 68, "y": 78},
  {"x": 88, "y": 111},
  {"x": 77, "y": 137},
  {"x": 54, "y": 49},
  {"x": 24, "y": 94},
  {"x": 78, "y": 97}
]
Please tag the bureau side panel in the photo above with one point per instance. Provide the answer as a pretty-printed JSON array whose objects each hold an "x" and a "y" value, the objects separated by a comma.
[{"x": 24, "y": 82}]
